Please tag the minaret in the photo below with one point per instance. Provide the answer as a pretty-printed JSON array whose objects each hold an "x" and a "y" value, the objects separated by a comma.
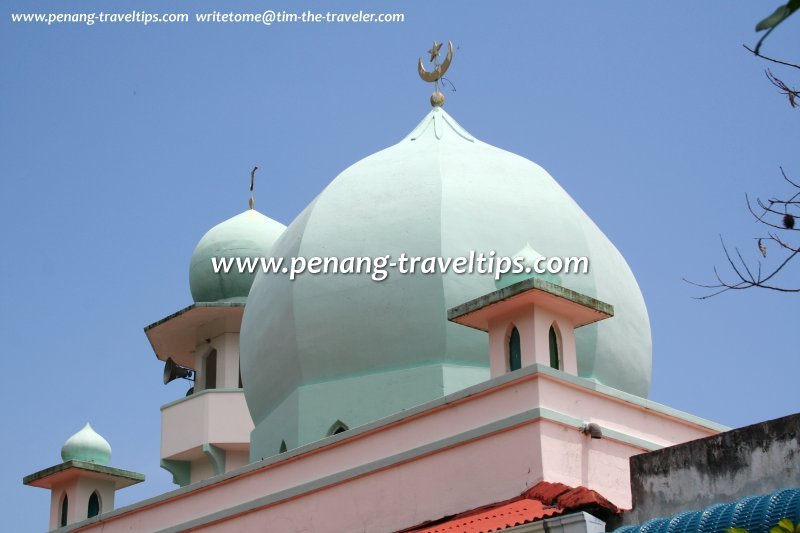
[
  {"x": 207, "y": 432},
  {"x": 83, "y": 485},
  {"x": 531, "y": 321}
]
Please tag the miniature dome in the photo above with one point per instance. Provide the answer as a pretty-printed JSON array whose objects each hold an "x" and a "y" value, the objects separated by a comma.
[
  {"x": 86, "y": 445},
  {"x": 529, "y": 257},
  {"x": 248, "y": 234},
  {"x": 437, "y": 193}
]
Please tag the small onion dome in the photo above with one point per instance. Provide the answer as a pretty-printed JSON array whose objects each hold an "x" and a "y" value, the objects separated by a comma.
[
  {"x": 529, "y": 257},
  {"x": 247, "y": 235},
  {"x": 86, "y": 445}
]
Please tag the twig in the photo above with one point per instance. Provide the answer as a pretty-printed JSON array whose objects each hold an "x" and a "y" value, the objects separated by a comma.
[{"x": 778, "y": 61}]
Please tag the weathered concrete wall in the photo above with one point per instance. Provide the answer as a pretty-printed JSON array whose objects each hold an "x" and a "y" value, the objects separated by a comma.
[{"x": 752, "y": 460}]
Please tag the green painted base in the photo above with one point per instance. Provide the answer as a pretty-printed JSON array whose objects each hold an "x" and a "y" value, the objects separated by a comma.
[{"x": 313, "y": 412}]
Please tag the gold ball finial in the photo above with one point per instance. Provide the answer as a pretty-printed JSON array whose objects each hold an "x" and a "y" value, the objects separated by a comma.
[{"x": 437, "y": 99}]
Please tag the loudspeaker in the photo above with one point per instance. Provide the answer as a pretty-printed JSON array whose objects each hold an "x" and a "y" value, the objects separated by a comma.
[{"x": 173, "y": 370}]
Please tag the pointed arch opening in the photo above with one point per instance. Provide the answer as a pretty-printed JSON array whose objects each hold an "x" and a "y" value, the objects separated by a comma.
[
  {"x": 283, "y": 447},
  {"x": 64, "y": 510},
  {"x": 555, "y": 348},
  {"x": 337, "y": 427},
  {"x": 94, "y": 505},
  {"x": 514, "y": 350}
]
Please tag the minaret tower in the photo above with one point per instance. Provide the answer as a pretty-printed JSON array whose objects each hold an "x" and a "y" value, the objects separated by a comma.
[
  {"x": 207, "y": 432},
  {"x": 83, "y": 485}
]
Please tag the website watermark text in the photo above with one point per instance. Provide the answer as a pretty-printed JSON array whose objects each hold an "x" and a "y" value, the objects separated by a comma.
[{"x": 378, "y": 267}]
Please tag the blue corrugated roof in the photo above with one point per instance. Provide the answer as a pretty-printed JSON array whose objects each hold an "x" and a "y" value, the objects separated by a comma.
[{"x": 756, "y": 514}]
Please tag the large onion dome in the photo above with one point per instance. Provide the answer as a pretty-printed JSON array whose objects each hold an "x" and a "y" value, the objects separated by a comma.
[{"x": 328, "y": 347}]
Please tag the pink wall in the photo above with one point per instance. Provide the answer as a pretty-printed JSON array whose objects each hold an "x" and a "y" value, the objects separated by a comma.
[{"x": 482, "y": 464}]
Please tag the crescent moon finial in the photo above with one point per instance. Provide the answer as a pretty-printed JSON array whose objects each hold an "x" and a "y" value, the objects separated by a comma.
[{"x": 437, "y": 99}]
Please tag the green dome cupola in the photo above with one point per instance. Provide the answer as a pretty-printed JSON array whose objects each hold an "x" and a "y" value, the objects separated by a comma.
[
  {"x": 86, "y": 445},
  {"x": 247, "y": 235}
]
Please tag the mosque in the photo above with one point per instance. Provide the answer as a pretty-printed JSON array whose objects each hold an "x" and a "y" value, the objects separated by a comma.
[{"x": 444, "y": 402}]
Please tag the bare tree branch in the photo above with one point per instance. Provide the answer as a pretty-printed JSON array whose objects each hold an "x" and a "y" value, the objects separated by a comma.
[
  {"x": 777, "y": 213},
  {"x": 747, "y": 274},
  {"x": 778, "y": 61},
  {"x": 789, "y": 92},
  {"x": 783, "y": 173}
]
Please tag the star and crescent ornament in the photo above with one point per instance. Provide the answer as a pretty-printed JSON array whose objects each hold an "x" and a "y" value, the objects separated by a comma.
[
  {"x": 434, "y": 51},
  {"x": 433, "y": 76}
]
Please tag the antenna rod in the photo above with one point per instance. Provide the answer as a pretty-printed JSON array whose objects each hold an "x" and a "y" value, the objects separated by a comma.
[{"x": 252, "y": 186}]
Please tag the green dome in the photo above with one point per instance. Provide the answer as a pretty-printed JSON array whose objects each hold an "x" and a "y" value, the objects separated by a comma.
[
  {"x": 440, "y": 192},
  {"x": 529, "y": 257},
  {"x": 249, "y": 234},
  {"x": 86, "y": 445}
]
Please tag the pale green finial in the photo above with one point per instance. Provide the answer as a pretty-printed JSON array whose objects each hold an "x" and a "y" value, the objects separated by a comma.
[
  {"x": 529, "y": 257},
  {"x": 86, "y": 445}
]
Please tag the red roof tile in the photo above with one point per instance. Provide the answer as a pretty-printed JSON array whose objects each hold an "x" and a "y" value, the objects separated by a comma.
[
  {"x": 543, "y": 500},
  {"x": 496, "y": 519},
  {"x": 567, "y": 497},
  {"x": 546, "y": 492},
  {"x": 581, "y": 497}
]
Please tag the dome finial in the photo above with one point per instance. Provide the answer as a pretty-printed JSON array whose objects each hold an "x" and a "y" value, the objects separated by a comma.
[
  {"x": 252, "y": 201},
  {"x": 437, "y": 98}
]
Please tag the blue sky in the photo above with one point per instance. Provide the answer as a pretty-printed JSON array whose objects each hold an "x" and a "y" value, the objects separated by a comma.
[{"x": 121, "y": 145}]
